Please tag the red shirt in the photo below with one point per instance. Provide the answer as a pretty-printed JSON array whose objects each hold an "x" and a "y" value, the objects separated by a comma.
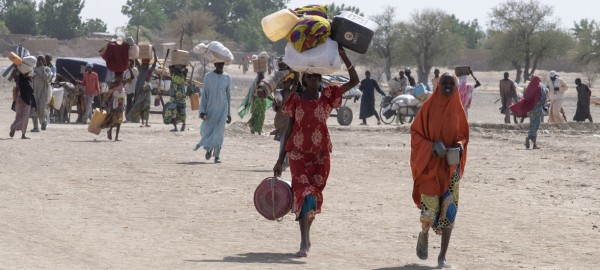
[
  {"x": 310, "y": 133},
  {"x": 91, "y": 83}
]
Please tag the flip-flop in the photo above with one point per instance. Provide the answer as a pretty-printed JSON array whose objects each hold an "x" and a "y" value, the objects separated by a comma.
[
  {"x": 422, "y": 252},
  {"x": 444, "y": 264}
]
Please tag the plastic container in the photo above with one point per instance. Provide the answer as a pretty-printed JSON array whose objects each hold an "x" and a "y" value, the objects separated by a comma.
[
  {"x": 14, "y": 58},
  {"x": 353, "y": 31},
  {"x": 95, "y": 125},
  {"x": 195, "y": 101},
  {"x": 181, "y": 57},
  {"x": 324, "y": 59},
  {"x": 58, "y": 94},
  {"x": 277, "y": 25},
  {"x": 145, "y": 51},
  {"x": 259, "y": 64},
  {"x": 164, "y": 85},
  {"x": 453, "y": 155}
]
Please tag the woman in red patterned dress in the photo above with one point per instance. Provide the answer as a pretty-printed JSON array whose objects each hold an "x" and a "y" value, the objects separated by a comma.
[{"x": 309, "y": 145}]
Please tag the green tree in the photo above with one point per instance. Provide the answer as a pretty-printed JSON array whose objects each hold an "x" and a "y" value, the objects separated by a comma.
[
  {"x": 61, "y": 18},
  {"x": 3, "y": 28},
  {"x": 239, "y": 20},
  {"x": 428, "y": 38},
  {"x": 521, "y": 26},
  {"x": 146, "y": 13},
  {"x": 587, "y": 51},
  {"x": 4, "y": 5},
  {"x": 470, "y": 31},
  {"x": 21, "y": 18},
  {"x": 333, "y": 9},
  {"x": 94, "y": 25}
]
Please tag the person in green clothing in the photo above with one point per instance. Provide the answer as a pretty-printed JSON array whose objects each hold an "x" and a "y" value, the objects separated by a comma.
[
  {"x": 255, "y": 105},
  {"x": 175, "y": 111}
]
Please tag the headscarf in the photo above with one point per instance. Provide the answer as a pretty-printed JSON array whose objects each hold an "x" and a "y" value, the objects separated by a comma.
[
  {"x": 552, "y": 74},
  {"x": 531, "y": 98},
  {"x": 440, "y": 118}
]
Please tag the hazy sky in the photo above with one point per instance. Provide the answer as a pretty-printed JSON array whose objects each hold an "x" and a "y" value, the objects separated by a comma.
[{"x": 568, "y": 11}]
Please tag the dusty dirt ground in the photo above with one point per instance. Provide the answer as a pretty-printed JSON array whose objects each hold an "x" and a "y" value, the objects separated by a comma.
[{"x": 73, "y": 200}]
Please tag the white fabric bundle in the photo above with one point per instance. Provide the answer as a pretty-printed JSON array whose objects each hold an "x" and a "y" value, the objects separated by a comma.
[
  {"x": 324, "y": 59},
  {"x": 214, "y": 52}
]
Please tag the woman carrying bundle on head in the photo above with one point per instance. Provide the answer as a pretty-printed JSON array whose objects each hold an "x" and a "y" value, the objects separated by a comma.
[{"x": 308, "y": 145}]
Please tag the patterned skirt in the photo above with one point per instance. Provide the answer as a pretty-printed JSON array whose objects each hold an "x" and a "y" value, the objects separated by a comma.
[
  {"x": 440, "y": 212},
  {"x": 309, "y": 177}
]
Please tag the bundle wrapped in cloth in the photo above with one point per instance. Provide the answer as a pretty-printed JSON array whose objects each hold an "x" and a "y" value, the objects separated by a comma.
[
  {"x": 214, "y": 52},
  {"x": 324, "y": 59},
  {"x": 116, "y": 55},
  {"x": 309, "y": 33}
]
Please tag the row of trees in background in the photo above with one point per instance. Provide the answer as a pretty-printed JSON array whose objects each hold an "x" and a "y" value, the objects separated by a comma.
[
  {"x": 53, "y": 18},
  {"x": 521, "y": 35}
]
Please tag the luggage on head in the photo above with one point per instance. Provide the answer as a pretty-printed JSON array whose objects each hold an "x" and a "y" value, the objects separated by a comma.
[
  {"x": 353, "y": 31},
  {"x": 323, "y": 59},
  {"x": 214, "y": 52},
  {"x": 462, "y": 70},
  {"x": 145, "y": 51},
  {"x": 116, "y": 55},
  {"x": 277, "y": 25},
  {"x": 259, "y": 62},
  {"x": 180, "y": 57},
  {"x": 309, "y": 32}
]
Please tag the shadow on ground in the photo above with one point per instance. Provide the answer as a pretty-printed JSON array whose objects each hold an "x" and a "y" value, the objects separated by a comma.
[
  {"x": 408, "y": 267},
  {"x": 277, "y": 258}
]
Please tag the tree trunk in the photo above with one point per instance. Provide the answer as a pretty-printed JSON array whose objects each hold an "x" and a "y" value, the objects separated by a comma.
[
  {"x": 526, "y": 71},
  {"x": 517, "y": 68},
  {"x": 388, "y": 63}
]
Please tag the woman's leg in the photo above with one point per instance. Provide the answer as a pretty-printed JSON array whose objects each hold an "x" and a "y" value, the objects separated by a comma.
[
  {"x": 304, "y": 236},
  {"x": 117, "y": 134},
  {"x": 446, "y": 233}
]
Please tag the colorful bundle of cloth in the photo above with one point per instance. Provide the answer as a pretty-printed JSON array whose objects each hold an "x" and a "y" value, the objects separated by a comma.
[
  {"x": 313, "y": 10},
  {"x": 310, "y": 32}
]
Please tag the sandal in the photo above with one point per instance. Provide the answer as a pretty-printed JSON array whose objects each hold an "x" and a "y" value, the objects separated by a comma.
[{"x": 422, "y": 252}]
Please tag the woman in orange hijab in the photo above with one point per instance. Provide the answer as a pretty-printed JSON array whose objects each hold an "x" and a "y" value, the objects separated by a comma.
[{"x": 440, "y": 123}]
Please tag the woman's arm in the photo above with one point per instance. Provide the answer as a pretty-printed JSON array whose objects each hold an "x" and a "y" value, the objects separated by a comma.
[{"x": 351, "y": 71}]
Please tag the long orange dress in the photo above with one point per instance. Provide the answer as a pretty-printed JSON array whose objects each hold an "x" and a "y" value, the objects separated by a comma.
[{"x": 436, "y": 183}]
